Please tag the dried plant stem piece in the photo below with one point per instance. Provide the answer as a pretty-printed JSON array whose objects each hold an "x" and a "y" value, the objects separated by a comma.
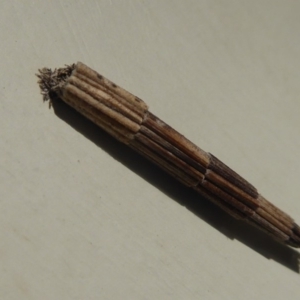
[{"x": 127, "y": 118}]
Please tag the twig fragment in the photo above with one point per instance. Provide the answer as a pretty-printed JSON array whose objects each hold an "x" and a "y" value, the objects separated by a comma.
[{"x": 127, "y": 118}]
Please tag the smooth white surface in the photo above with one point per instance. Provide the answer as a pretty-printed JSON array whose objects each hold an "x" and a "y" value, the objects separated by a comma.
[{"x": 81, "y": 216}]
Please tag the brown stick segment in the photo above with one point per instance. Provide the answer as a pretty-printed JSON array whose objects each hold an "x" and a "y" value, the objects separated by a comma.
[
  {"x": 219, "y": 202},
  {"x": 137, "y": 110},
  {"x": 296, "y": 229},
  {"x": 265, "y": 225},
  {"x": 280, "y": 219},
  {"x": 177, "y": 139},
  {"x": 241, "y": 207},
  {"x": 248, "y": 213},
  {"x": 101, "y": 108},
  {"x": 136, "y": 103},
  {"x": 267, "y": 216},
  {"x": 271, "y": 218},
  {"x": 234, "y": 208},
  {"x": 89, "y": 81},
  {"x": 105, "y": 98},
  {"x": 161, "y": 162},
  {"x": 171, "y": 148},
  {"x": 223, "y": 170},
  {"x": 231, "y": 189},
  {"x": 98, "y": 118},
  {"x": 170, "y": 159},
  {"x": 274, "y": 211},
  {"x": 295, "y": 241}
]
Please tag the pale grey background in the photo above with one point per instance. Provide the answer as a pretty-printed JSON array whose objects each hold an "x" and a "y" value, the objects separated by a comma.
[{"x": 81, "y": 216}]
